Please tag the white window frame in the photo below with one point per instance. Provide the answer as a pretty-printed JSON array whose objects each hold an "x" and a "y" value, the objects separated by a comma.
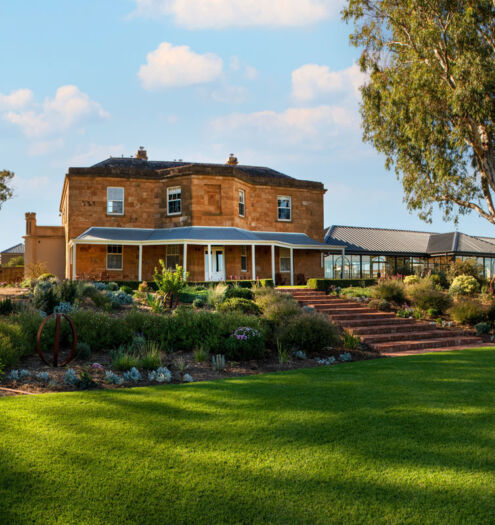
[
  {"x": 174, "y": 189},
  {"x": 242, "y": 202},
  {"x": 171, "y": 248},
  {"x": 244, "y": 256},
  {"x": 113, "y": 253},
  {"x": 109, "y": 201},
  {"x": 282, "y": 251},
  {"x": 279, "y": 197}
]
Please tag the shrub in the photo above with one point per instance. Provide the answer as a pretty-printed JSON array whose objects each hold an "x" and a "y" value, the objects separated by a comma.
[
  {"x": 482, "y": 328},
  {"x": 218, "y": 362},
  {"x": 127, "y": 290},
  {"x": 112, "y": 378},
  {"x": 351, "y": 341},
  {"x": 112, "y": 287},
  {"x": 467, "y": 267},
  {"x": 243, "y": 344},
  {"x": 133, "y": 376},
  {"x": 425, "y": 296},
  {"x": 169, "y": 283},
  {"x": 356, "y": 291},
  {"x": 199, "y": 303},
  {"x": 70, "y": 377},
  {"x": 308, "y": 332},
  {"x": 6, "y": 307},
  {"x": 200, "y": 354},
  {"x": 83, "y": 351},
  {"x": 438, "y": 278},
  {"x": 119, "y": 298},
  {"x": 11, "y": 343},
  {"x": 216, "y": 294},
  {"x": 390, "y": 290},
  {"x": 34, "y": 270},
  {"x": 464, "y": 285},
  {"x": 45, "y": 297},
  {"x": 143, "y": 287},
  {"x": 380, "y": 304},
  {"x": 238, "y": 291},
  {"x": 282, "y": 310},
  {"x": 468, "y": 311},
  {"x": 16, "y": 261},
  {"x": 411, "y": 279},
  {"x": 123, "y": 360},
  {"x": 266, "y": 283},
  {"x": 150, "y": 356},
  {"x": 326, "y": 284},
  {"x": 63, "y": 308},
  {"x": 46, "y": 277},
  {"x": 237, "y": 304},
  {"x": 68, "y": 291}
]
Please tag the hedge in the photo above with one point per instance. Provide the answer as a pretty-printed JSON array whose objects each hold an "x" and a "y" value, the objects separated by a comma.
[
  {"x": 326, "y": 284},
  {"x": 243, "y": 284}
]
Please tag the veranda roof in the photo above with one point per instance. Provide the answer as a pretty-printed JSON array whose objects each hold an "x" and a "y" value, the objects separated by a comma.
[{"x": 198, "y": 235}]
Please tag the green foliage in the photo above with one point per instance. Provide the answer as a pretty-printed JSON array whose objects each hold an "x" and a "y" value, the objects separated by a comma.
[
  {"x": 266, "y": 283},
  {"x": 83, "y": 351},
  {"x": 150, "y": 356},
  {"x": 380, "y": 304},
  {"x": 123, "y": 359},
  {"x": 428, "y": 105},
  {"x": 244, "y": 343},
  {"x": 11, "y": 343},
  {"x": 127, "y": 289},
  {"x": 357, "y": 291},
  {"x": 156, "y": 302},
  {"x": 112, "y": 286},
  {"x": 439, "y": 279},
  {"x": 46, "y": 277},
  {"x": 217, "y": 362},
  {"x": 280, "y": 310},
  {"x": 6, "y": 189},
  {"x": 6, "y": 306},
  {"x": 468, "y": 311},
  {"x": 237, "y": 304},
  {"x": 46, "y": 297},
  {"x": 308, "y": 332},
  {"x": 482, "y": 328},
  {"x": 199, "y": 303},
  {"x": 326, "y": 284},
  {"x": 15, "y": 261},
  {"x": 464, "y": 285},
  {"x": 467, "y": 267},
  {"x": 169, "y": 283},
  {"x": 350, "y": 341},
  {"x": 425, "y": 296},
  {"x": 390, "y": 290},
  {"x": 282, "y": 353},
  {"x": 411, "y": 279},
  {"x": 238, "y": 291},
  {"x": 200, "y": 354},
  {"x": 216, "y": 294}
]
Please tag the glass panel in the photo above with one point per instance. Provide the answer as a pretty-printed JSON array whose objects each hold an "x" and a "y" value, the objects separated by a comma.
[
  {"x": 174, "y": 200},
  {"x": 355, "y": 267},
  {"x": 366, "y": 266},
  {"x": 329, "y": 267},
  {"x": 284, "y": 208}
]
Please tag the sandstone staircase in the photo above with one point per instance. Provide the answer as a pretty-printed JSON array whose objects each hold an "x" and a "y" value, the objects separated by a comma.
[{"x": 383, "y": 331}]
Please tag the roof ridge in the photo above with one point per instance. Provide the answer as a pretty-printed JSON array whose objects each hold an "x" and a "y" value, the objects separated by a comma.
[{"x": 381, "y": 229}]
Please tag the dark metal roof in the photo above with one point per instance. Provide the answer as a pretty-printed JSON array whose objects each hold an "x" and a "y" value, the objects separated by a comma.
[
  {"x": 17, "y": 249},
  {"x": 131, "y": 162},
  {"x": 197, "y": 233},
  {"x": 381, "y": 240}
]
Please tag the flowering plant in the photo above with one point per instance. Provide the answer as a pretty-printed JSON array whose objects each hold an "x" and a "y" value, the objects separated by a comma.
[{"x": 244, "y": 333}]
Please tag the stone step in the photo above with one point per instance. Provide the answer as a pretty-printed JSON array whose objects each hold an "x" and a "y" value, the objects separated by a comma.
[
  {"x": 399, "y": 346},
  {"x": 365, "y": 316},
  {"x": 356, "y": 312},
  {"x": 326, "y": 302},
  {"x": 373, "y": 339},
  {"x": 392, "y": 321},
  {"x": 380, "y": 328}
]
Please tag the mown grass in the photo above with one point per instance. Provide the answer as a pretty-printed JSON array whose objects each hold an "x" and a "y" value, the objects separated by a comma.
[{"x": 405, "y": 440}]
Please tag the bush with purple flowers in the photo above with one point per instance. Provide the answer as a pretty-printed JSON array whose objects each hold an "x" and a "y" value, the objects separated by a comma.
[{"x": 244, "y": 343}]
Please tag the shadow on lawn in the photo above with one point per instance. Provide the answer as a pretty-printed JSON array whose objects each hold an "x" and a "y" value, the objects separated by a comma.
[{"x": 398, "y": 432}]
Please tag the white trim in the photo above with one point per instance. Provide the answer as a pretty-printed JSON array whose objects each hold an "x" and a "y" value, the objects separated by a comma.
[
  {"x": 123, "y": 200},
  {"x": 169, "y": 190},
  {"x": 290, "y": 208},
  {"x": 184, "y": 260},
  {"x": 74, "y": 249},
  {"x": 243, "y": 202},
  {"x": 273, "y": 263},
  {"x": 209, "y": 262},
  {"x": 291, "y": 266},
  {"x": 253, "y": 261},
  {"x": 140, "y": 266}
]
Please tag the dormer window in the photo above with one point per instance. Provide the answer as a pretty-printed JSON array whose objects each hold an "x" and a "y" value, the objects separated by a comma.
[
  {"x": 242, "y": 203},
  {"x": 284, "y": 208},
  {"x": 174, "y": 201},
  {"x": 115, "y": 201}
]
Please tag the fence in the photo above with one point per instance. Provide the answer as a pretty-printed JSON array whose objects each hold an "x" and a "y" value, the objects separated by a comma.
[{"x": 11, "y": 275}]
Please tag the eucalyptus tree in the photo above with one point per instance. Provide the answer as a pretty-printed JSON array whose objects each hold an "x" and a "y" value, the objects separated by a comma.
[
  {"x": 6, "y": 191},
  {"x": 429, "y": 103}
]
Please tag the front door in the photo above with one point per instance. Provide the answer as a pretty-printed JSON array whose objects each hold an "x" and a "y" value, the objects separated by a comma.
[{"x": 217, "y": 264}]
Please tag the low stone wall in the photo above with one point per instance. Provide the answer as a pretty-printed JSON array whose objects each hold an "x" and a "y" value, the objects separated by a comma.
[{"x": 11, "y": 275}]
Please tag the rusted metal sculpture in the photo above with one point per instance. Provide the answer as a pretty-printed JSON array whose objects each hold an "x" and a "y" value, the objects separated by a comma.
[{"x": 56, "y": 343}]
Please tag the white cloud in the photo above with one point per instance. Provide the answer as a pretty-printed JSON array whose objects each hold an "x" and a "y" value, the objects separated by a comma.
[
  {"x": 69, "y": 107},
  {"x": 237, "y": 65},
  {"x": 312, "y": 81},
  {"x": 311, "y": 127},
  {"x": 173, "y": 66},
  {"x": 38, "y": 185},
  {"x": 16, "y": 100},
  {"x": 43, "y": 147},
  {"x": 230, "y": 94},
  {"x": 217, "y": 14}
]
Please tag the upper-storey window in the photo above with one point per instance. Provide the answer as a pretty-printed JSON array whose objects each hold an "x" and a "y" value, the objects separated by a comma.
[
  {"x": 174, "y": 200},
  {"x": 115, "y": 201},
  {"x": 242, "y": 203},
  {"x": 284, "y": 205}
]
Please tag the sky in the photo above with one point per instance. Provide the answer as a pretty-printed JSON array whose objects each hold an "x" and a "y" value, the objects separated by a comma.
[{"x": 276, "y": 83}]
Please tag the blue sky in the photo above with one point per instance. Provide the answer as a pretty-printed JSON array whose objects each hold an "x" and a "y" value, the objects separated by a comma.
[{"x": 273, "y": 82}]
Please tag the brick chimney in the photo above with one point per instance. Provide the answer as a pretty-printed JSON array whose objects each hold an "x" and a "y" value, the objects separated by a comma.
[
  {"x": 141, "y": 153},
  {"x": 30, "y": 222},
  {"x": 232, "y": 160}
]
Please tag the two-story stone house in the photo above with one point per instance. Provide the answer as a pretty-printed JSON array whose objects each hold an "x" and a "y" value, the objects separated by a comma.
[{"x": 218, "y": 221}]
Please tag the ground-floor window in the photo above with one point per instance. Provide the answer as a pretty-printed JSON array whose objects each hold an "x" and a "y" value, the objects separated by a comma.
[
  {"x": 244, "y": 267},
  {"x": 173, "y": 256},
  {"x": 284, "y": 255},
  {"x": 114, "y": 257}
]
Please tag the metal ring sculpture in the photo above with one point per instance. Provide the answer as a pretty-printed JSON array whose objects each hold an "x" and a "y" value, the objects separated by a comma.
[{"x": 56, "y": 343}]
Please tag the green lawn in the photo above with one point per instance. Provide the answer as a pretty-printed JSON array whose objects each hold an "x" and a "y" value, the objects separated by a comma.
[{"x": 405, "y": 440}]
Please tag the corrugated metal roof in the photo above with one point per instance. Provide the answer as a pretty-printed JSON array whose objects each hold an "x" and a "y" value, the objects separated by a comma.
[
  {"x": 197, "y": 233},
  {"x": 378, "y": 240},
  {"x": 17, "y": 249},
  {"x": 381, "y": 240}
]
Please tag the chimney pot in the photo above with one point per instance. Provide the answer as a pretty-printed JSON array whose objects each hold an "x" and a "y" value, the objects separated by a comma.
[
  {"x": 141, "y": 153},
  {"x": 232, "y": 160}
]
